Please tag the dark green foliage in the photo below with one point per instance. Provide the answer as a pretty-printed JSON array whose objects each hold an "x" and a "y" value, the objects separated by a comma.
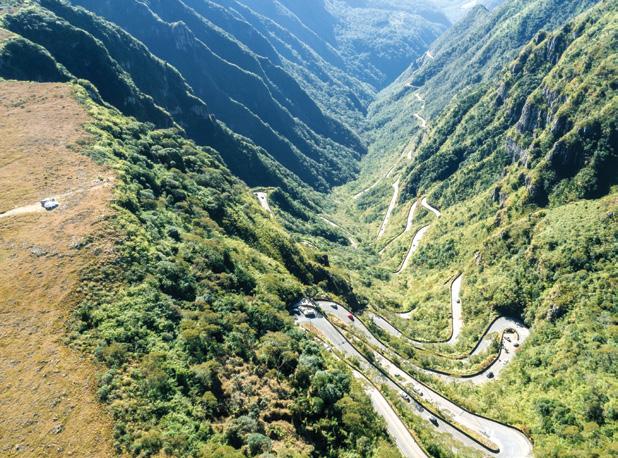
[
  {"x": 198, "y": 291},
  {"x": 318, "y": 150},
  {"x": 158, "y": 80},
  {"x": 472, "y": 52},
  {"x": 86, "y": 58},
  {"x": 538, "y": 118},
  {"x": 21, "y": 59}
]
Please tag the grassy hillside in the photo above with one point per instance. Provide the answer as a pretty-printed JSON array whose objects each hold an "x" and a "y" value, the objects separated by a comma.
[
  {"x": 48, "y": 390},
  {"x": 192, "y": 312}
]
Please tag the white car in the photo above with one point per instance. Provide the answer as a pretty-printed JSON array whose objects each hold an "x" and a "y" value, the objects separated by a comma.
[{"x": 49, "y": 204}]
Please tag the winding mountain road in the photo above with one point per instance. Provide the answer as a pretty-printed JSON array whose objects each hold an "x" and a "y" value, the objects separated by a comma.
[
  {"x": 425, "y": 204},
  {"x": 416, "y": 241},
  {"x": 332, "y": 334},
  {"x": 396, "y": 429},
  {"x": 358, "y": 195},
  {"x": 512, "y": 443},
  {"x": 407, "y": 229},
  {"x": 422, "y": 120},
  {"x": 418, "y": 236},
  {"x": 390, "y": 209}
]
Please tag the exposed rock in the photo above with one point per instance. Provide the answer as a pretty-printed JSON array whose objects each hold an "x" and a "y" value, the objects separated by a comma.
[
  {"x": 532, "y": 117},
  {"x": 517, "y": 153},
  {"x": 554, "y": 312},
  {"x": 38, "y": 251}
]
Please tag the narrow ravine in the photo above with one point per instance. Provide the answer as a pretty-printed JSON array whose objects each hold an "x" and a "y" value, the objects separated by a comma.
[{"x": 351, "y": 240}]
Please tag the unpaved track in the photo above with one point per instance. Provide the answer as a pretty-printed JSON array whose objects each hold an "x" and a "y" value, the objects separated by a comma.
[
  {"x": 263, "y": 200},
  {"x": 38, "y": 208}
]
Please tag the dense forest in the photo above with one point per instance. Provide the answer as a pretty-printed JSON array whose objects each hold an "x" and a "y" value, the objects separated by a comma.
[{"x": 416, "y": 173}]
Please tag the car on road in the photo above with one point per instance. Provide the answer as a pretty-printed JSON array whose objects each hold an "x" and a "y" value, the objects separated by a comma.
[
  {"x": 490, "y": 374},
  {"x": 405, "y": 397},
  {"x": 334, "y": 306},
  {"x": 433, "y": 420},
  {"x": 350, "y": 317},
  {"x": 307, "y": 312},
  {"x": 516, "y": 345}
]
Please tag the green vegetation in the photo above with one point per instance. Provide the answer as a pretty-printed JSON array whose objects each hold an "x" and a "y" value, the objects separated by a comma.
[
  {"x": 520, "y": 168},
  {"x": 190, "y": 313}
]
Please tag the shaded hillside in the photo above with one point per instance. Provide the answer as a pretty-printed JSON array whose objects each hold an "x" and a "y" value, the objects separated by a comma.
[
  {"x": 249, "y": 87},
  {"x": 139, "y": 71},
  {"x": 370, "y": 40}
]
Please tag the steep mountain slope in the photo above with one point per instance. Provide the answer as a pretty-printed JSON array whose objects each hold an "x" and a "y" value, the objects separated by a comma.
[
  {"x": 183, "y": 298},
  {"x": 464, "y": 287},
  {"x": 320, "y": 73},
  {"x": 373, "y": 40},
  {"x": 545, "y": 117},
  {"x": 456, "y": 10},
  {"x": 149, "y": 78},
  {"x": 238, "y": 97},
  {"x": 522, "y": 169},
  {"x": 471, "y": 53}
]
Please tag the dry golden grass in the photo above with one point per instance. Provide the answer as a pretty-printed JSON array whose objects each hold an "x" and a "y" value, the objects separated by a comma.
[
  {"x": 48, "y": 405},
  {"x": 5, "y": 35}
]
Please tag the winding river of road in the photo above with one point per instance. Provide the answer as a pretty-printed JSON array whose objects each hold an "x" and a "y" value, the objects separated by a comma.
[
  {"x": 508, "y": 441},
  {"x": 408, "y": 227},
  {"x": 391, "y": 207},
  {"x": 511, "y": 442}
]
